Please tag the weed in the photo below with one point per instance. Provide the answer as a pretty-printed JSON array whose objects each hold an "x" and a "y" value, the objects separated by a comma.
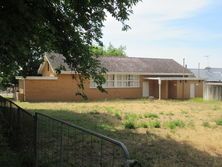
[
  {"x": 94, "y": 112},
  {"x": 114, "y": 111},
  {"x": 206, "y": 124},
  {"x": 199, "y": 100},
  {"x": 170, "y": 114},
  {"x": 216, "y": 108},
  {"x": 174, "y": 124},
  {"x": 219, "y": 122},
  {"x": 191, "y": 124},
  {"x": 131, "y": 116},
  {"x": 118, "y": 115},
  {"x": 106, "y": 127},
  {"x": 184, "y": 112},
  {"x": 151, "y": 124},
  {"x": 151, "y": 115},
  {"x": 130, "y": 124}
]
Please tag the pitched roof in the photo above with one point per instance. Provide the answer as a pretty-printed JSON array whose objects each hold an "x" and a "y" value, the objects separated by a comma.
[
  {"x": 57, "y": 61},
  {"x": 142, "y": 65},
  {"x": 127, "y": 65},
  {"x": 209, "y": 74}
]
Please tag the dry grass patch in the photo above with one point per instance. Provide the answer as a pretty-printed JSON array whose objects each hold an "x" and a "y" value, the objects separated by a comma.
[{"x": 157, "y": 133}]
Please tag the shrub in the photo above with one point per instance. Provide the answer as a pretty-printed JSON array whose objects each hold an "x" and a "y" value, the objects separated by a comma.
[
  {"x": 151, "y": 115},
  {"x": 174, "y": 124}
]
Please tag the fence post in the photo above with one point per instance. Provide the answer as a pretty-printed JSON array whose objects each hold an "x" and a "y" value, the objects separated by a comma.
[
  {"x": 18, "y": 129},
  {"x": 35, "y": 139},
  {"x": 61, "y": 145}
]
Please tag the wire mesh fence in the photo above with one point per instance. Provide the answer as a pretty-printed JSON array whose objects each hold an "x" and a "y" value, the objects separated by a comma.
[
  {"x": 18, "y": 127},
  {"x": 43, "y": 141}
]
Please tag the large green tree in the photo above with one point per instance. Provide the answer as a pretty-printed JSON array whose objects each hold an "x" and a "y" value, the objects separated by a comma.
[
  {"x": 109, "y": 51},
  {"x": 31, "y": 27}
]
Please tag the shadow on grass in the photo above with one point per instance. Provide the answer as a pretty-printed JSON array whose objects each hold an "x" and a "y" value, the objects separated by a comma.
[{"x": 149, "y": 149}]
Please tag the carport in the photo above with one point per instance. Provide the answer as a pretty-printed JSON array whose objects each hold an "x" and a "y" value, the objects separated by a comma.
[{"x": 177, "y": 84}]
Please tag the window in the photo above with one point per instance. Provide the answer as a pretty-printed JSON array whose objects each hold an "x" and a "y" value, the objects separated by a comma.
[{"x": 119, "y": 81}]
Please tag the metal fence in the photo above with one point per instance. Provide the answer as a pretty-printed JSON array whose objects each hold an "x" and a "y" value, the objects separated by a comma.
[{"x": 43, "y": 141}]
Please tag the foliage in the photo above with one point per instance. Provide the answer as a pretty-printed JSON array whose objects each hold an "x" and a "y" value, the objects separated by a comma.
[
  {"x": 30, "y": 28},
  {"x": 109, "y": 51}
]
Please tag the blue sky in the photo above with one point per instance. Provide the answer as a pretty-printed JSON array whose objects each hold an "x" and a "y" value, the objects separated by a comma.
[{"x": 177, "y": 29}]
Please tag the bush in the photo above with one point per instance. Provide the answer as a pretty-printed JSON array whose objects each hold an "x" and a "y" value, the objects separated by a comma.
[
  {"x": 151, "y": 115},
  {"x": 174, "y": 124}
]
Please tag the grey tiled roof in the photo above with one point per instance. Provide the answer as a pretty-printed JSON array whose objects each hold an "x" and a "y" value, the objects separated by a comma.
[
  {"x": 57, "y": 61},
  {"x": 142, "y": 65},
  {"x": 126, "y": 64},
  {"x": 209, "y": 74}
]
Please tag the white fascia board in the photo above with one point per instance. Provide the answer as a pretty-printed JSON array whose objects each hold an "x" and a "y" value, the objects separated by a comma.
[
  {"x": 214, "y": 83},
  {"x": 36, "y": 78},
  {"x": 138, "y": 73},
  {"x": 172, "y": 78},
  {"x": 133, "y": 73},
  {"x": 41, "y": 67},
  {"x": 49, "y": 64}
]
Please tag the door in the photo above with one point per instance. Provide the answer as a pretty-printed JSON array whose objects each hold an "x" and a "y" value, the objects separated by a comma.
[
  {"x": 192, "y": 90},
  {"x": 145, "y": 89}
]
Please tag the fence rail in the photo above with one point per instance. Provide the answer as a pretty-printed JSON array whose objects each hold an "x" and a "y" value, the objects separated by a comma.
[{"x": 43, "y": 141}]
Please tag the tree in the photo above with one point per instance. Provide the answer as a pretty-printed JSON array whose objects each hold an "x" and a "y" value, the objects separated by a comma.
[
  {"x": 31, "y": 27},
  {"x": 109, "y": 51}
]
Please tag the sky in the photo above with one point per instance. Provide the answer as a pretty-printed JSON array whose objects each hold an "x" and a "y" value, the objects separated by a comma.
[{"x": 174, "y": 29}]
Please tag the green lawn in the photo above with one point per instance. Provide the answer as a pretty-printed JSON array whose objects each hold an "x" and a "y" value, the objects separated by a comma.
[{"x": 157, "y": 133}]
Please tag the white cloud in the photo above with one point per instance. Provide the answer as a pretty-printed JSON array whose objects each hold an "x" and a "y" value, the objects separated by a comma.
[
  {"x": 169, "y": 9},
  {"x": 193, "y": 56},
  {"x": 151, "y": 22}
]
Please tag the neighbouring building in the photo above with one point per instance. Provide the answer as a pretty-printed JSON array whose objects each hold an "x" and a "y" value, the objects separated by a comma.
[
  {"x": 127, "y": 77},
  {"x": 212, "y": 82}
]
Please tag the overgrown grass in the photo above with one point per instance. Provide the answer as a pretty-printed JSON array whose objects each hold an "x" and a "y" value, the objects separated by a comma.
[{"x": 155, "y": 132}]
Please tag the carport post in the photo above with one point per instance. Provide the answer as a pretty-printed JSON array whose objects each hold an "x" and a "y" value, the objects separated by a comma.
[{"x": 159, "y": 83}]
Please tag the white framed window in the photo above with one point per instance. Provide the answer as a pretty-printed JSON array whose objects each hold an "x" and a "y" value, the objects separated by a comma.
[{"x": 119, "y": 81}]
